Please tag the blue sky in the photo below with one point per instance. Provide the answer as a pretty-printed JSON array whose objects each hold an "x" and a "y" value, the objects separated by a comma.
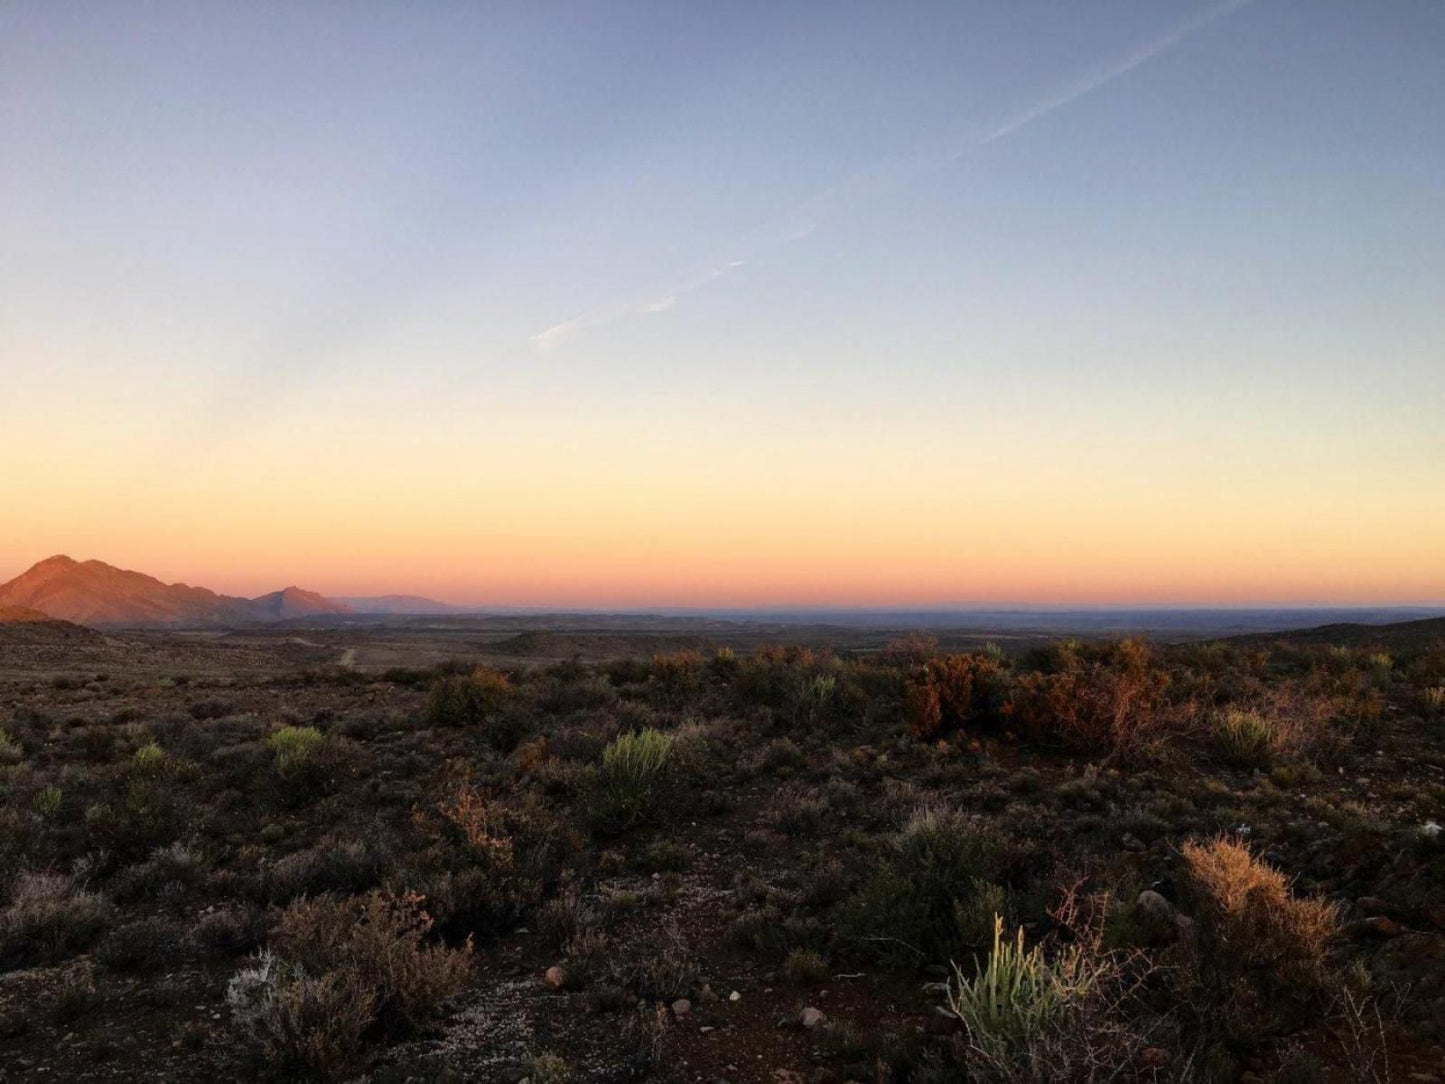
[{"x": 609, "y": 239}]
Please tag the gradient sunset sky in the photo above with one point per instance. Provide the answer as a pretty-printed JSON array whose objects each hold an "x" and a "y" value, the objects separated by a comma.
[{"x": 745, "y": 303}]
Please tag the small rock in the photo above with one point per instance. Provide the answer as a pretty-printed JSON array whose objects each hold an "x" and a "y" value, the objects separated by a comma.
[
  {"x": 735, "y": 996},
  {"x": 1154, "y": 907},
  {"x": 1157, "y": 918},
  {"x": 1132, "y": 843},
  {"x": 811, "y": 1017},
  {"x": 1184, "y": 928},
  {"x": 681, "y": 1007},
  {"x": 555, "y": 977}
]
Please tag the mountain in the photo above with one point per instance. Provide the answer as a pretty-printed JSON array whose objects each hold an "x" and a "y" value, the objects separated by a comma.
[
  {"x": 400, "y": 604},
  {"x": 294, "y": 602},
  {"x": 95, "y": 593}
]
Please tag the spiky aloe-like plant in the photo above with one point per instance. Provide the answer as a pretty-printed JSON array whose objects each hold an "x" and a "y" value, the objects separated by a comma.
[{"x": 1018, "y": 995}]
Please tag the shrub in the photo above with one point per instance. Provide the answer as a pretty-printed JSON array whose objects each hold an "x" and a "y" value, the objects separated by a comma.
[
  {"x": 1260, "y": 946},
  {"x": 678, "y": 676},
  {"x": 342, "y": 971},
  {"x": 139, "y": 946},
  {"x": 295, "y": 749},
  {"x": 148, "y": 761},
  {"x": 467, "y": 699},
  {"x": 48, "y": 918},
  {"x": 210, "y": 709},
  {"x": 632, "y": 780},
  {"x": 479, "y": 824},
  {"x": 806, "y": 968},
  {"x": 951, "y": 692},
  {"x": 11, "y": 751},
  {"x": 331, "y": 866},
  {"x": 1017, "y": 996},
  {"x": 1245, "y": 738},
  {"x": 550, "y": 1069},
  {"x": 918, "y": 906},
  {"x": 1108, "y": 702},
  {"x": 47, "y": 801},
  {"x": 229, "y": 931},
  {"x": 1435, "y": 700},
  {"x": 301, "y": 1021}
]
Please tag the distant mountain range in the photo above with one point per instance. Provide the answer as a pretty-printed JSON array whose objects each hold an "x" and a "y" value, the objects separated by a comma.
[
  {"x": 412, "y": 605},
  {"x": 95, "y": 593}
]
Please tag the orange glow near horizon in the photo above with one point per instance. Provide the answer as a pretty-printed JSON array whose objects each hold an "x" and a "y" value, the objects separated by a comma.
[{"x": 634, "y": 529}]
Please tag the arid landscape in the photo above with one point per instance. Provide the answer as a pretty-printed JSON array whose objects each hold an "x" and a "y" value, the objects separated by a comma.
[
  {"x": 401, "y": 853},
  {"x": 637, "y": 542}
]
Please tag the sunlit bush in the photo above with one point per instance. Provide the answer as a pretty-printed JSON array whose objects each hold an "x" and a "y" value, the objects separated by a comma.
[
  {"x": 467, "y": 699},
  {"x": 295, "y": 748},
  {"x": 633, "y": 779},
  {"x": 1245, "y": 738}
]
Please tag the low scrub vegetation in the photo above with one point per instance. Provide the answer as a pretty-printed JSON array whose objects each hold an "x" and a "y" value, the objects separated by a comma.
[
  {"x": 908, "y": 863},
  {"x": 341, "y": 972},
  {"x": 634, "y": 779}
]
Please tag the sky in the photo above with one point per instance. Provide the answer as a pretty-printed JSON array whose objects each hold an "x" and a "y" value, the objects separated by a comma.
[{"x": 768, "y": 303}]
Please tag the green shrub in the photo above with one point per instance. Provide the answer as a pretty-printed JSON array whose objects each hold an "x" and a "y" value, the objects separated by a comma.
[
  {"x": 1435, "y": 700},
  {"x": 550, "y": 1069},
  {"x": 1017, "y": 996},
  {"x": 806, "y": 968},
  {"x": 295, "y": 748},
  {"x": 467, "y": 699},
  {"x": 47, "y": 801},
  {"x": 633, "y": 779},
  {"x": 1245, "y": 738},
  {"x": 148, "y": 761},
  {"x": 10, "y": 750},
  {"x": 920, "y": 903}
]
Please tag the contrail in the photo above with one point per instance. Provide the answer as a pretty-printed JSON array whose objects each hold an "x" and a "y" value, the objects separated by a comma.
[
  {"x": 801, "y": 220},
  {"x": 1109, "y": 72}
]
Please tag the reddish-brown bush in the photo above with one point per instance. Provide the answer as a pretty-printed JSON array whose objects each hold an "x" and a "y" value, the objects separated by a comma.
[
  {"x": 953, "y": 691},
  {"x": 1108, "y": 701}
]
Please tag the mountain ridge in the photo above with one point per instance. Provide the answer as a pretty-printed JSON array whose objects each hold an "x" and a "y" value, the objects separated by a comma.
[{"x": 92, "y": 592}]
